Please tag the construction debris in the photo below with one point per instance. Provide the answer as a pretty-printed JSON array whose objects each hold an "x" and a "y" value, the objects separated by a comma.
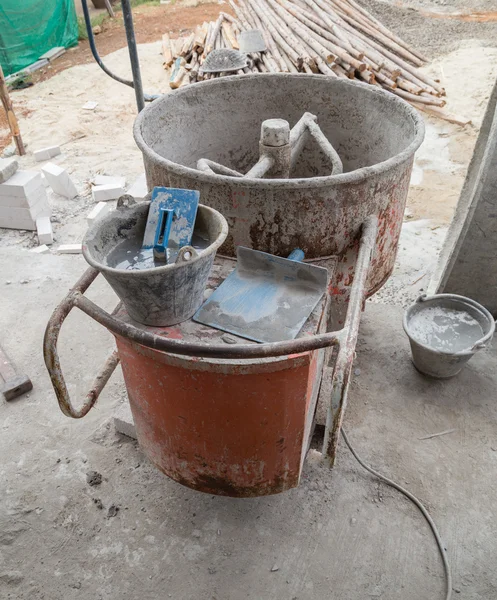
[
  {"x": 44, "y": 230},
  {"x": 108, "y": 191},
  {"x": 46, "y": 153},
  {"x": 8, "y": 166},
  {"x": 23, "y": 200},
  {"x": 43, "y": 249},
  {"x": 108, "y": 179},
  {"x": 97, "y": 212},
  {"x": 337, "y": 38},
  {"x": 139, "y": 188},
  {"x": 59, "y": 180},
  {"x": 70, "y": 249}
]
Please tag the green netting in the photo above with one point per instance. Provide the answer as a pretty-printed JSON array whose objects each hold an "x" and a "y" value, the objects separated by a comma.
[{"x": 28, "y": 28}]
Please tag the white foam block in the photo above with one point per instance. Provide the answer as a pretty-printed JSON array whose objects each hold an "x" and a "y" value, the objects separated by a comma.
[
  {"x": 16, "y": 218},
  {"x": 8, "y": 166},
  {"x": 43, "y": 249},
  {"x": 70, "y": 249},
  {"x": 40, "y": 209},
  {"x": 46, "y": 153},
  {"x": 139, "y": 188},
  {"x": 20, "y": 184},
  {"x": 109, "y": 180},
  {"x": 90, "y": 105},
  {"x": 59, "y": 180},
  {"x": 123, "y": 420},
  {"x": 103, "y": 193},
  {"x": 32, "y": 198},
  {"x": 98, "y": 211},
  {"x": 44, "y": 229}
]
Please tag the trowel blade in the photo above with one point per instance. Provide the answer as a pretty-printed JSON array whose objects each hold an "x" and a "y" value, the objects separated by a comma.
[
  {"x": 251, "y": 41},
  {"x": 266, "y": 298}
]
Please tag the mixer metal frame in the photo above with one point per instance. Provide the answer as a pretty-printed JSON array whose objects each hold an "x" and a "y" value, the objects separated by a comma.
[{"x": 338, "y": 363}]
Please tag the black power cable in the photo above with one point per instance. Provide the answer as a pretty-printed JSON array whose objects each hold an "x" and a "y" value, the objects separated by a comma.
[{"x": 130, "y": 35}]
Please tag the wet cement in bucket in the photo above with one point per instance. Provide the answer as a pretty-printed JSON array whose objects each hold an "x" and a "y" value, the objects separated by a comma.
[
  {"x": 445, "y": 329},
  {"x": 128, "y": 255}
]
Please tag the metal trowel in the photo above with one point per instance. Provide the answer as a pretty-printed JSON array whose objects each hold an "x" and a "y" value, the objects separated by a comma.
[
  {"x": 251, "y": 40},
  {"x": 170, "y": 221},
  {"x": 266, "y": 298}
]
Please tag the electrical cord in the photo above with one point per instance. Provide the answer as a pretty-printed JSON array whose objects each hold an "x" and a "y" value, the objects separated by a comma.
[
  {"x": 96, "y": 56},
  {"x": 424, "y": 512}
]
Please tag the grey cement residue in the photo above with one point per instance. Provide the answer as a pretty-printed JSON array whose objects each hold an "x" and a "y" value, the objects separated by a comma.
[
  {"x": 445, "y": 329},
  {"x": 129, "y": 255}
]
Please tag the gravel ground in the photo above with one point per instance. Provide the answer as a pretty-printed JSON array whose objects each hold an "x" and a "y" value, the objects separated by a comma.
[{"x": 433, "y": 36}]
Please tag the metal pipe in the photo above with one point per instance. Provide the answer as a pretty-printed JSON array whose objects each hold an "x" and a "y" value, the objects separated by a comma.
[
  {"x": 240, "y": 351},
  {"x": 51, "y": 355},
  {"x": 133, "y": 54},
  {"x": 346, "y": 351}
]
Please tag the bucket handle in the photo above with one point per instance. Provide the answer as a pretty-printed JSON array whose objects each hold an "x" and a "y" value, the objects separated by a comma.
[
  {"x": 479, "y": 345},
  {"x": 186, "y": 254},
  {"x": 51, "y": 355}
]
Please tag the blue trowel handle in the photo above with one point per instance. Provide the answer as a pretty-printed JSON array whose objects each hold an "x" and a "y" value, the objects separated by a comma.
[
  {"x": 163, "y": 230},
  {"x": 297, "y": 255}
]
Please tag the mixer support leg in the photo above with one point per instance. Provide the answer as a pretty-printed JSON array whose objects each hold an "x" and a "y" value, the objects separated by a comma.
[{"x": 348, "y": 340}]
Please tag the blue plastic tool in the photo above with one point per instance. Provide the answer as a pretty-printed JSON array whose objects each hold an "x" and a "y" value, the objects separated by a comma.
[
  {"x": 170, "y": 222},
  {"x": 266, "y": 298}
]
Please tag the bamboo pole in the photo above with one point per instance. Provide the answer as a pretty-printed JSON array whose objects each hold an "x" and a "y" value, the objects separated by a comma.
[
  {"x": 292, "y": 54},
  {"x": 166, "y": 51},
  {"x": 302, "y": 32},
  {"x": 11, "y": 117},
  {"x": 214, "y": 34},
  {"x": 418, "y": 99},
  {"x": 229, "y": 35},
  {"x": 385, "y": 30},
  {"x": 313, "y": 22}
]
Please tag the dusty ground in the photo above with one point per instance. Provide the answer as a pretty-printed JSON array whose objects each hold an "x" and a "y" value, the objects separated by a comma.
[
  {"x": 341, "y": 535},
  {"x": 419, "y": 23}
]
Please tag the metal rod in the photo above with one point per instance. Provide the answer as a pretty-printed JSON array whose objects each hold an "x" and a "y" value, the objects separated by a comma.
[
  {"x": 133, "y": 54},
  {"x": 237, "y": 351},
  {"x": 345, "y": 355},
  {"x": 52, "y": 360},
  {"x": 209, "y": 166},
  {"x": 326, "y": 147}
]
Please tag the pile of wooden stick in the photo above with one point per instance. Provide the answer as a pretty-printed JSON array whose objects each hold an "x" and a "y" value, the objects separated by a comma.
[{"x": 337, "y": 38}]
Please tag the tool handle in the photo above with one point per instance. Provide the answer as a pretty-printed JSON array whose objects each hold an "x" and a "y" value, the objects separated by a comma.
[
  {"x": 186, "y": 254},
  {"x": 163, "y": 230},
  {"x": 297, "y": 255}
]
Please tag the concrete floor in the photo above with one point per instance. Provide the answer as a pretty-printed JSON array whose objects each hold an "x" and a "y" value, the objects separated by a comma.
[{"x": 341, "y": 535}]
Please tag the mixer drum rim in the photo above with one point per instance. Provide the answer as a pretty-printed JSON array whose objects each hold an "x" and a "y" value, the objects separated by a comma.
[{"x": 351, "y": 177}]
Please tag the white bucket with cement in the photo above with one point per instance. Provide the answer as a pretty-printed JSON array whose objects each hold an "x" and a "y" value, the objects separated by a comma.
[{"x": 445, "y": 331}]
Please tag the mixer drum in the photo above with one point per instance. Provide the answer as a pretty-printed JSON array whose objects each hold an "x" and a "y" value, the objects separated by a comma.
[{"x": 374, "y": 132}]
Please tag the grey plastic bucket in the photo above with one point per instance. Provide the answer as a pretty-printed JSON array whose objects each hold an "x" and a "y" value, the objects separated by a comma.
[
  {"x": 160, "y": 296},
  {"x": 438, "y": 363}
]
